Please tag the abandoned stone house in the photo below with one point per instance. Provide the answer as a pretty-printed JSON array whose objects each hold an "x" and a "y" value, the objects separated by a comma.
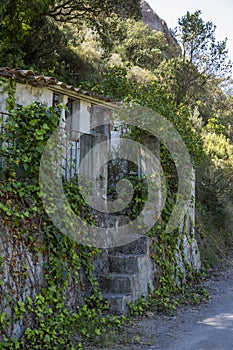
[{"x": 124, "y": 272}]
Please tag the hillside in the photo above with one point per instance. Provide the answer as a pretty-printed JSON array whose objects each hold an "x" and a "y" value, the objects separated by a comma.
[
  {"x": 150, "y": 17},
  {"x": 76, "y": 42}
]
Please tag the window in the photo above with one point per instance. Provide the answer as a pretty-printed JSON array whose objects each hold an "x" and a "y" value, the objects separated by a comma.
[{"x": 56, "y": 100}]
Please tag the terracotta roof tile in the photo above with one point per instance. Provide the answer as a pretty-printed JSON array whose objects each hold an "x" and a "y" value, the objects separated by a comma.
[{"x": 29, "y": 77}]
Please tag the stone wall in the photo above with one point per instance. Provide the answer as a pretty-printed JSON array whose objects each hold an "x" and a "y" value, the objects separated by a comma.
[
  {"x": 22, "y": 275},
  {"x": 23, "y": 269}
]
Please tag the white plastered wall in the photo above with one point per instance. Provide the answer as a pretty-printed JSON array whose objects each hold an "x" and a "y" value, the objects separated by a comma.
[
  {"x": 27, "y": 94},
  {"x": 85, "y": 117}
]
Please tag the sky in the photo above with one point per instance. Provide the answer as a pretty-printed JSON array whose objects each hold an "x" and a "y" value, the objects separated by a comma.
[{"x": 219, "y": 12}]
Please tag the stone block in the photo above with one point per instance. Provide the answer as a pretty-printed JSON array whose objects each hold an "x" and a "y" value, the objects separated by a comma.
[
  {"x": 128, "y": 263},
  {"x": 139, "y": 246},
  {"x": 118, "y": 303},
  {"x": 119, "y": 283}
]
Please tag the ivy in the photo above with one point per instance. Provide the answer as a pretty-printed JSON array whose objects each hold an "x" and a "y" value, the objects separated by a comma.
[
  {"x": 55, "y": 325},
  {"x": 50, "y": 323},
  {"x": 164, "y": 246}
]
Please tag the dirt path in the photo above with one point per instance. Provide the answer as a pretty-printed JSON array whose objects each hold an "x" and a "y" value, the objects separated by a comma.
[{"x": 207, "y": 326}]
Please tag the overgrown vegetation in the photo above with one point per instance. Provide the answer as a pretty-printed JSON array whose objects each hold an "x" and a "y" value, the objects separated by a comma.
[
  {"x": 123, "y": 59},
  {"x": 49, "y": 322}
]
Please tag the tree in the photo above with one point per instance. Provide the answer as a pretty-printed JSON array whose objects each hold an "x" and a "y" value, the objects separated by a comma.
[
  {"x": 184, "y": 84},
  {"x": 71, "y": 10},
  {"x": 181, "y": 80},
  {"x": 24, "y": 23},
  {"x": 18, "y": 16},
  {"x": 200, "y": 47},
  {"x": 202, "y": 67},
  {"x": 143, "y": 47}
]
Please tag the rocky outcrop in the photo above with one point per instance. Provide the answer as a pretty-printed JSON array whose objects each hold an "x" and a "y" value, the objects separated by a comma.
[{"x": 151, "y": 18}]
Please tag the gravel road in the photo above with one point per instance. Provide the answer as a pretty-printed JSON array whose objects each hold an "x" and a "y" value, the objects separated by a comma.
[{"x": 208, "y": 326}]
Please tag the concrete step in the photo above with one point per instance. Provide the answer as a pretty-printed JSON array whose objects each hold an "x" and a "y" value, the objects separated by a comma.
[
  {"x": 119, "y": 283},
  {"x": 130, "y": 263},
  {"x": 118, "y": 303}
]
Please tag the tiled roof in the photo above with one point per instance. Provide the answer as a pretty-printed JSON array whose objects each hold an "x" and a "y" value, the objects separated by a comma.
[{"x": 29, "y": 77}]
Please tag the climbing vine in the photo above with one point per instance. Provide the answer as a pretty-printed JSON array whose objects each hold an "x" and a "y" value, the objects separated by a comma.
[
  {"x": 55, "y": 301},
  {"x": 48, "y": 315},
  {"x": 165, "y": 247}
]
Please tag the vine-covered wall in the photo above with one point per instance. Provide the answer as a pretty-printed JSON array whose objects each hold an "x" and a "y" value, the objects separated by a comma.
[{"x": 49, "y": 289}]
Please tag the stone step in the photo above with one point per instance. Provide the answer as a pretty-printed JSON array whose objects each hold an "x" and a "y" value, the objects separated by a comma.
[
  {"x": 128, "y": 274},
  {"x": 130, "y": 263},
  {"x": 119, "y": 283},
  {"x": 139, "y": 246},
  {"x": 118, "y": 303}
]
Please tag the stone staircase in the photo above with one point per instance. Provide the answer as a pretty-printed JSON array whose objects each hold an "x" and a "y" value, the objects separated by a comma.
[{"x": 129, "y": 275}]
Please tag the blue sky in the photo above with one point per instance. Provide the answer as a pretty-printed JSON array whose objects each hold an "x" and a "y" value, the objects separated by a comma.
[{"x": 218, "y": 12}]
